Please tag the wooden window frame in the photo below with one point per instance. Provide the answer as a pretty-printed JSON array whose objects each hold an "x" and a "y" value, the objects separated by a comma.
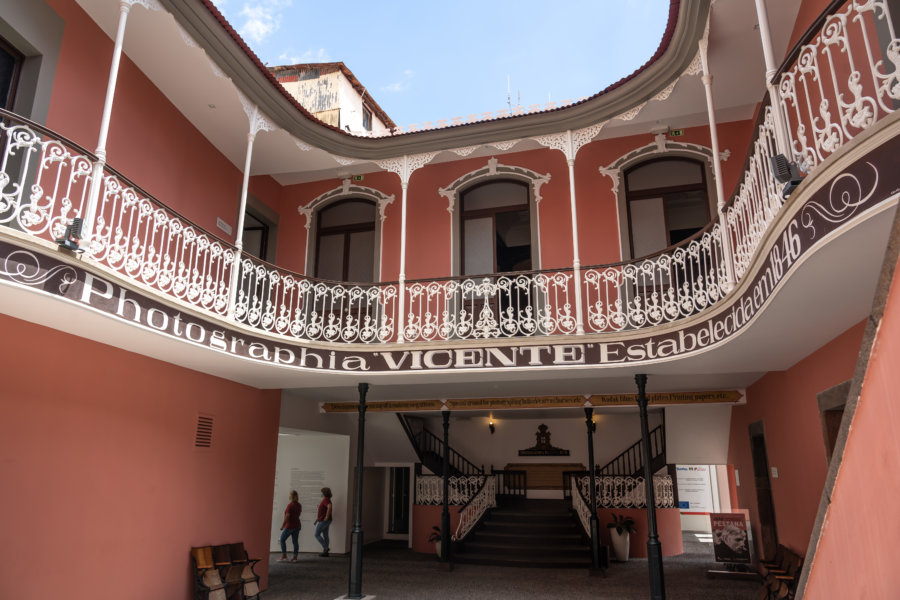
[
  {"x": 344, "y": 230},
  {"x": 492, "y": 213},
  {"x": 662, "y": 192}
]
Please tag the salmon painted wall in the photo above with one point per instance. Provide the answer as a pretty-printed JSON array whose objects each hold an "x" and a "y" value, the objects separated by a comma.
[
  {"x": 808, "y": 12},
  {"x": 150, "y": 141},
  {"x": 855, "y": 557},
  {"x": 786, "y": 403},
  {"x": 668, "y": 528},
  {"x": 105, "y": 490},
  {"x": 426, "y": 517}
]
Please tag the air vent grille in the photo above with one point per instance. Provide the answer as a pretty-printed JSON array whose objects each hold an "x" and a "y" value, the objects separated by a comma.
[{"x": 204, "y": 434}]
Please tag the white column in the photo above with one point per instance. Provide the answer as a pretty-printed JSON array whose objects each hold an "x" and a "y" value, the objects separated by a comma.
[
  {"x": 401, "y": 279},
  {"x": 717, "y": 167},
  {"x": 90, "y": 211},
  {"x": 239, "y": 230},
  {"x": 782, "y": 139},
  {"x": 576, "y": 259}
]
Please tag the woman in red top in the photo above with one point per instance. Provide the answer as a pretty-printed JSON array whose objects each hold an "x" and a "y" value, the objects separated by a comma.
[
  {"x": 291, "y": 526},
  {"x": 323, "y": 520}
]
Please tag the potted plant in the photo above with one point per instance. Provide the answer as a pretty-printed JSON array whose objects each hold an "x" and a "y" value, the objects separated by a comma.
[
  {"x": 435, "y": 538},
  {"x": 620, "y": 530}
]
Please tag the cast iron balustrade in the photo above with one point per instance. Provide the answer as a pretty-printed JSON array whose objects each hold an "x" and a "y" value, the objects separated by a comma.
[
  {"x": 839, "y": 81},
  {"x": 430, "y": 489},
  {"x": 613, "y": 491}
]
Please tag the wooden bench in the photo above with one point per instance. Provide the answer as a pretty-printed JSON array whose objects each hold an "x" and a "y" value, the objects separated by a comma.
[
  {"x": 224, "y": 572},
  {"x": 545, "y": 476}
]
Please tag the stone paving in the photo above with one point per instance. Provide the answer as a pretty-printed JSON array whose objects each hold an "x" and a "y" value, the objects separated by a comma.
[{"x": 393, "y": 572}]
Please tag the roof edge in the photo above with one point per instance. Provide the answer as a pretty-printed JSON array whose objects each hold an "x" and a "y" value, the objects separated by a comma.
[{"x": 200, "y": 18}]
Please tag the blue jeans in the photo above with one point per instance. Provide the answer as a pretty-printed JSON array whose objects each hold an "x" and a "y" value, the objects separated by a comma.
[
  {"x": 322, "y": 534},
  {"x": 295, "y": 538}
]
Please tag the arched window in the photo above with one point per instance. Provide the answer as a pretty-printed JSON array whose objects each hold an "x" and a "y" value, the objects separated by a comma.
[
  {"x": 495, "y": 228},
  {"x": 345, "y": 241},
  {"x": 667, "y": 202}
]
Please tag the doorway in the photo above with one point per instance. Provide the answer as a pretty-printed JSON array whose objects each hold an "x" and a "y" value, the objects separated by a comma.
[{"x": 765, "y": 505}]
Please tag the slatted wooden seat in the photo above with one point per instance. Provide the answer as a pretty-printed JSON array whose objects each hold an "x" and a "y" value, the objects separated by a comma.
[
  {"x": 208, "y": 581},
  {"x": 249, "y": 579}
]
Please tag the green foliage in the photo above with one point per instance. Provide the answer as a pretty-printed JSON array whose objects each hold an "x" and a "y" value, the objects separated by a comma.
[
  {"x": 621, "y": 523},
  {"x": 435, "y": 535}
]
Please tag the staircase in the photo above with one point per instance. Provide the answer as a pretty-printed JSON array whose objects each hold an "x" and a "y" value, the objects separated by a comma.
[
  {"x": 630, "y": 462},
  {"x": 528, "y": 533},
  {"x": 430, "y": 449}
]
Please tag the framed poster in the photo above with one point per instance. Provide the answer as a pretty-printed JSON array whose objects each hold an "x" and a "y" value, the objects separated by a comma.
[
  {"x": 695, "y": 488},
  {"x": 730, "y": 542}
]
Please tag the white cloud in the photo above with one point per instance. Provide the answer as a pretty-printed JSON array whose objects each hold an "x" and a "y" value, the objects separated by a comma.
[
  {"x": 310, "y": 56},
  {"x": 401, "y": 85},
  {"x": 261, "y": 19}
]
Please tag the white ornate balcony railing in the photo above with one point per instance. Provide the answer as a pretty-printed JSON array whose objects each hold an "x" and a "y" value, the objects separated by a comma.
[
  {"x": 518, "y": 304},
  {"x": 44, "y": 183},
  {"x": 659, "y": 289},
  {"x": 844, "y": 78},
  {"x": 471, "y": 513},
  {"x": 841, "y": 80},
  {"x": 579, "y": 505},
  {"x": 430, "y": 489},
  {"x": 281, "y": 302},
  {"x": 613, "y": 491}
]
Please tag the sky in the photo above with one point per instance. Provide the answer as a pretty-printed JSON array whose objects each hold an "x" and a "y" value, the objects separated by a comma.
[{"x": 423, "y": 60}]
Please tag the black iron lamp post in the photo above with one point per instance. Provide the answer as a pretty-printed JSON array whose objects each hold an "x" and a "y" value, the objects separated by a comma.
[
  {"x": 356, "y": 535},
  {"x": 654, "y": 549},
  {"x": 595, "y": 524},
  {"x": 445, "y": 513}
]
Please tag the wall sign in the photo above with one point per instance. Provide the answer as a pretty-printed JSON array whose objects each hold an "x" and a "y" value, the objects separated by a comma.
[{"x": 862, "y": 186}]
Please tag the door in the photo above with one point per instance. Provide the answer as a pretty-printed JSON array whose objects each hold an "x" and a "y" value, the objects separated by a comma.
[{"x": 765, "y": 505}]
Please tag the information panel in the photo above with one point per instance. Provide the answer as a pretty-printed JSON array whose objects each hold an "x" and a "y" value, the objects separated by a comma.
[{"x": 695, "y": 491}]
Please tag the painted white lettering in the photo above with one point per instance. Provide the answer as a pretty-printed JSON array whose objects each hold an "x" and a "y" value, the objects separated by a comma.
[
  {"x": 609, "y": 353},
  {"x": 234, "y": 342},
  {"x": 120, "y": 310},
  {"x": 355, "y": 363},
  {"x": 535, "y": 354},
  {"x": 304, "y": 353},
  {"x": 257, "y": 350},
  {"x": 568, "y": 354},
  {"x": 685, "y": 338},
  {"x": 217, "y": 340},
  {"x": 428, "y": 359},
  {"x": 88, "y": 290},
  {"x": 152, "y": 320},
  {"x": 283, "y": 356},
  {"x": 469, "y": 357},
  {"x": 200, "y": 334},
  {"x": 497, "y": 353},
  {"x": 666, "y": 348},
  {"x": 392, "y": 364}
]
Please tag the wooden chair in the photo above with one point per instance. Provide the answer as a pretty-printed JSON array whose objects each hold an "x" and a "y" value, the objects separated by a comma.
[
  {"x": 230, "y": 572},
  {"x": 249, "y": 578},
  {"x": 208, "y": 581}
]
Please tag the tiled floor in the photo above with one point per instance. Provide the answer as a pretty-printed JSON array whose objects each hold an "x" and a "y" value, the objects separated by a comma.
[{"x": 393, "y": 572}]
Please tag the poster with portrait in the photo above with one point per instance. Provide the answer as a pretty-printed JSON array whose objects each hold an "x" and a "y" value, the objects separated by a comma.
[{"x": 730, "y": 541}]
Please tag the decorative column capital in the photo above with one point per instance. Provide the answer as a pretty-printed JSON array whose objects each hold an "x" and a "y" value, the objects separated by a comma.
[
  {"x": 404, "y": 166},
  {"x": 570, "y": 142}
]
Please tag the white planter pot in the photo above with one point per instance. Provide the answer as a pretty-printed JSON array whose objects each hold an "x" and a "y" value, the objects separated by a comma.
[
  {"x": 437, "y": 548},
  {"x": 621, "y": 543}
]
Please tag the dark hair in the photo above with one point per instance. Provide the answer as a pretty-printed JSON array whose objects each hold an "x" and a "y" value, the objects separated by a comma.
[
  {"x": 295, "y": 495},
  {"x": 326, "y": 492}
]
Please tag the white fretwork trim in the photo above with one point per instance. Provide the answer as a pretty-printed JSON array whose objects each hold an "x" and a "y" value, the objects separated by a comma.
[
  {"x": 148, "y": 4},
  {"x": 504, "y": 146},
  {"x": 342, "y": 160},
  {"x": 258, "y": 121},
  {"x": 629, "y": 115},
  {"x": 666, "y": 92},
  {"x": 696, "y": 66},
  {"x": 465, "y": 151},
  {"x": 494, "y": 169},
  {"x": 186, "y": 37},
  {"x": 405, "y": 166},
  {"x": 347, "y": 189},
  {"x": 303, "y": 145},
  {"x": 613, "y": 174}
]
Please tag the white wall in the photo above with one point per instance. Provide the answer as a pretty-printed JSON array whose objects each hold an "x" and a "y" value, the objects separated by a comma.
[
  {"x": 471, "y": 437},
  {"x": 698, "y": 434},
  {"x": 308, "y": 461}
]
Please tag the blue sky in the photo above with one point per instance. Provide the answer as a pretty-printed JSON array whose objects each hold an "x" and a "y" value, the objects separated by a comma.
[{"x": 424, "y": 60}]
